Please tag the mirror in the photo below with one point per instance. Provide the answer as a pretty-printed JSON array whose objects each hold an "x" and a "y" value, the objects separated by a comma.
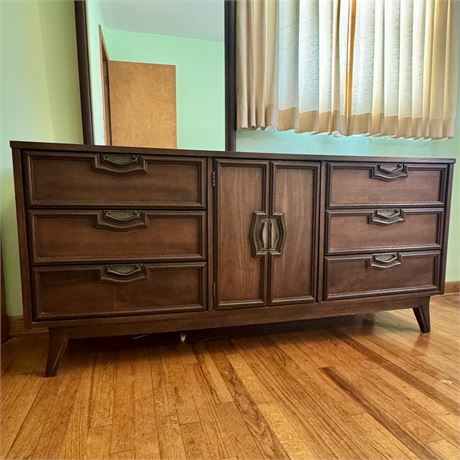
[{"x": 156, "y": 72}]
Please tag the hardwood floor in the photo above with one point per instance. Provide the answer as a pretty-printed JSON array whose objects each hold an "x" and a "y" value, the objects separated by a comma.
[{"x": 353, "y": 387}]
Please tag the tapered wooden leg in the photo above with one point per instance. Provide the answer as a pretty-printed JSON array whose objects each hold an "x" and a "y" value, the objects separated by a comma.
[
  {"x": 57, "y": 346},
  {"x": 422, "y": 314}
]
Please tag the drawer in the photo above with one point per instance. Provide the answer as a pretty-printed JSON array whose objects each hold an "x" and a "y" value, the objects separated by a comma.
[
  {"x": 380, "y": 184},
  {"x": 374, "y": 230},
  {"x": 378, "y": 274},
  {"x": 101, "y": 180},
  {"x": 108, "y": 290},
  {"x": 100, "y": 235}
]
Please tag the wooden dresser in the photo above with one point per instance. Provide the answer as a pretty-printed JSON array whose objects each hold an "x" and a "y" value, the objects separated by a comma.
[{"x": 128, "y": 240}]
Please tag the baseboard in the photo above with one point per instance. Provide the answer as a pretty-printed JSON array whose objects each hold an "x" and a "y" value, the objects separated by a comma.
[
  {"x": 452, "y": 287},
  {"x": 17, "y": 327}
]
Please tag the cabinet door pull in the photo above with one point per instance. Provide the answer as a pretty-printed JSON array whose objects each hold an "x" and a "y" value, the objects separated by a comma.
[
  {"x": 277, "y": 233},
  {"x": 386, "y": 216},
  {"x": 387, "y": 260},
  {"x": 389, "y": 171},
  {"x": 258, "y": 234}
]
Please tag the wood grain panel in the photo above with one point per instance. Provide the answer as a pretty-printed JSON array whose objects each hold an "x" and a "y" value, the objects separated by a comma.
[
  {"x": 66, "y": 236},
  {"x": 354, "y": 276},
  {"x": 355, "y": 185},
  {"x": 356, "y": 231},
  {"x": 293, "y": 274},
  {"x": 92, "y": 290},
  {"x": 241, "y": 190},
  {"x": 142, "y": 104},
  {"x": 80, "y": 180}
]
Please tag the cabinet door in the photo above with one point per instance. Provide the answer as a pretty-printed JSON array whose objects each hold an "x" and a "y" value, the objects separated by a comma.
[
  {"x": 242, "y": 233},
  {"x": 294, "y": 210}
]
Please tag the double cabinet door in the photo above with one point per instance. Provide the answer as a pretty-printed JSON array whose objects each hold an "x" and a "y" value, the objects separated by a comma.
[{"x": 266, "y": 233}]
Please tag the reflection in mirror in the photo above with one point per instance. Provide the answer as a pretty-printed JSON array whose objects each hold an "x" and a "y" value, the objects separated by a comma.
[{"x": 157, "y": 73}]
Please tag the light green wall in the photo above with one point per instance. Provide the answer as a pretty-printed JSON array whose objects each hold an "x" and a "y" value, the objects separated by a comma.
[
  {"x": 39, "y": 101},
  {"x": 199, "y": 81}
]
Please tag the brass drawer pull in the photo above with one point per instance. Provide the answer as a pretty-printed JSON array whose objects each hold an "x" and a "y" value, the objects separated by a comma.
[
  {"x": 121, "y": 220},
  {"x": 386, "y": 216},
  {"x": 387, "y": 260},
  {"x": 122, "y": 216},
  {"x": 123, "y": 273},
  {"x": 389, "y": 171},
  {"x": 124, "y": 270},
  {"x": 119, "y": 164},
  {"x": 121, "y": 160}
]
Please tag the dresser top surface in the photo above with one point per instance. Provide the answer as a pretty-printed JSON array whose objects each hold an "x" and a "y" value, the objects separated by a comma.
[{"x": 83, "y": 148}]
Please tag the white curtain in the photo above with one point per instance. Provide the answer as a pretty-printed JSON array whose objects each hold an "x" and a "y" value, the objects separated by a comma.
[{"x": 378, "y": 67}]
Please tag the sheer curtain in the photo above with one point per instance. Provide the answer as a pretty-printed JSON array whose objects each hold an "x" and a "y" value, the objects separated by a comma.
[{"x": 378, "y": 67}]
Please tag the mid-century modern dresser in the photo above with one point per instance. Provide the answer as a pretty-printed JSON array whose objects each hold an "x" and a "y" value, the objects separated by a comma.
[{"x": 129, "y": 240}]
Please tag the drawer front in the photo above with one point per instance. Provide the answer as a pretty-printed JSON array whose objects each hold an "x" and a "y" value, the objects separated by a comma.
[
  {"x": 107, "y": 290},
  {"x": 384, "y": 273},
  {"x": 383, "y": 230},
  {"x": 378, "y": 184},
  {"x": 66, "y": 236},
  {"x": 100, "y": 180}
]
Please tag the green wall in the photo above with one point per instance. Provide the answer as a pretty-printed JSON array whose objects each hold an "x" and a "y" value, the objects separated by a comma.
[
  {"x": 199, "y": 81},
  {"x": 40, "y": 101}
]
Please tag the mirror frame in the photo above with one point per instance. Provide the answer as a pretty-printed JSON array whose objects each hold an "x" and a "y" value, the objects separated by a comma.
[{"x": 230, "y": 72}]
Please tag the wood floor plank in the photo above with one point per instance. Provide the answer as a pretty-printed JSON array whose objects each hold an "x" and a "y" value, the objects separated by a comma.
[
  {"x": 20, "y": 386},
  {"x": 58, "y": 416},
  {"x": 402, "y": 374},
  {"x": 32, "y": 427},
  {"x": 297, "y": 447},
  {"x": 98, "y": 442},
  {"x": 123, "y": 423},
  {"x": 238, "y": 439},
  {"x": 102, "y": 390},
  {"x": 178, "y": 390},
  {"x": 126, "y": 455},
  {"x": 265, "y": 438},
  {"x": 388, "y": 422},
  {"x": 423, "y": 371},
  {"x": 213, "y": 379},
  {"x": 170, "y": 439},
  {"x": 207, "y": 411},
  {"x": 145, "y": 421},
  {"x": 311, "y": 413},
  {"x": 391, "y": 416},
  {"x": 74, "y": 444},
  {"x": 196, "y": 447}
]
